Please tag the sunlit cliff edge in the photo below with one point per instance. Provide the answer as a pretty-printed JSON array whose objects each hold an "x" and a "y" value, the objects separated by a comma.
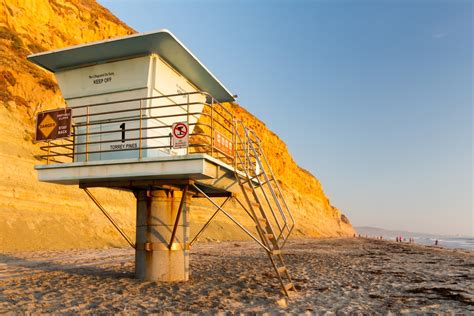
[{"x": 36, "y": 215}]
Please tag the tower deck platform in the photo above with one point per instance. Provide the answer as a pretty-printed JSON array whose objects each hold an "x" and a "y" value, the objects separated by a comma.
[{"x": 213, "y": 175}]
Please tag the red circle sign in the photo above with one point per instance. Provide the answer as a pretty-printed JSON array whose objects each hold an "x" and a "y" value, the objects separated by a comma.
[{"x": 180, "y": 130}]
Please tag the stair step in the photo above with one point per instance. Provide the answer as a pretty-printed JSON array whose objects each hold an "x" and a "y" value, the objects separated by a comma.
[
  {"x": 250, "y": 191},
  {"x": 269, "y": 180},
  {"x": 289, "y": 286},
  {"x": 262, "y": 220},
  {"x": 247, "y": 186},
  {"x": 270, "y": 236},
  {"x": 281, "y": 270},
  {"x": 254, "y": 183},
  {"x": 252, "y": 177}
]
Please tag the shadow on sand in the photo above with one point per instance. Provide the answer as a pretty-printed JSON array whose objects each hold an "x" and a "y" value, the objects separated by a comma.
[{"x": 89, "y": 267}]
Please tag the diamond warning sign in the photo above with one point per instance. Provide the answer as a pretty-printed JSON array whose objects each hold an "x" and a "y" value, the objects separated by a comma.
[
  {"x": 53, "y": 124},
  {"x": 47, "y": 125}
]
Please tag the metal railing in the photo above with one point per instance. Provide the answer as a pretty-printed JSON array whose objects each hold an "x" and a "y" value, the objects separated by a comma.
[
  {"x": 265, "y": 190},
  {"x": 100, "y": 132},
  {"x": 141, "y": 127}
]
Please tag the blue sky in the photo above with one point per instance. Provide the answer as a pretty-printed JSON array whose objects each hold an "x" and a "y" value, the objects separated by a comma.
[{"x": 373, "y": 97}]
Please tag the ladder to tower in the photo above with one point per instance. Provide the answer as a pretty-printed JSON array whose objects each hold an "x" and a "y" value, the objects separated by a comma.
[{"x": 266, "y": 204}]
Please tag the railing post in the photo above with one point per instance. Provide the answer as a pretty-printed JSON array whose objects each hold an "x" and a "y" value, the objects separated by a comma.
[
  {"x": 212, "y": 127},
  {"x": 187, "y": 120},
  {"x": 49, "y": 151},
  {"x": 140, "y": 133},
  {"x": 87, "y": 133},
  {"x": 171, "y": 142},
  {"x": 246, "y": 149},
  {"x": 73, "y": 143},
  {"x": 234, "y": 144}
]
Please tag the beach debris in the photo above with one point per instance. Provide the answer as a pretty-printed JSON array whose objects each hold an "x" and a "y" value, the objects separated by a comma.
[{"x": 282, "y": 303}]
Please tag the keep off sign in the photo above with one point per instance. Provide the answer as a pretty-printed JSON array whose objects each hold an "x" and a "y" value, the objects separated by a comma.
[
  {"x": 180, "y": 135},
  {"x": 54, "y": 124}
]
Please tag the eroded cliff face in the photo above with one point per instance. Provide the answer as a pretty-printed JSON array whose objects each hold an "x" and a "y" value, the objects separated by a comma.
[{"x": 36, "y": 215}]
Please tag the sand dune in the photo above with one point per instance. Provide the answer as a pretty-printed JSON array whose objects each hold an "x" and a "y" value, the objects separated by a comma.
[{"x": 331, "y": 275}]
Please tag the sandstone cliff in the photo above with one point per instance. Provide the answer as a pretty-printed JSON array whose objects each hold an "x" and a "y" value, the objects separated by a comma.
[{"x": 36, "y": 215}]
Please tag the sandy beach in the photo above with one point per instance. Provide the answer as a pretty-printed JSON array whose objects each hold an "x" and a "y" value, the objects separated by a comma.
[{"x": 331, "y": 275}]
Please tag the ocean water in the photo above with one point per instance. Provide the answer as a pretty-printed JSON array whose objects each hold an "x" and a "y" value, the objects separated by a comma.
[
  {"x": 448, "y": 242},
  {"x": 460, "y": 242},
  {"x": 443, "y": 241}
]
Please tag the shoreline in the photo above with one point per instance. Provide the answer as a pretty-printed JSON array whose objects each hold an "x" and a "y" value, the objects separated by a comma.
[
  {"x": 415, "y": 243},
  {"x": 217, "y": 242},
  {"x": 335, "y": 275}
]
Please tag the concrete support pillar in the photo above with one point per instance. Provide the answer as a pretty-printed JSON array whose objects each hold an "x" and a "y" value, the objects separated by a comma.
[{"x": 156, "y": 216}]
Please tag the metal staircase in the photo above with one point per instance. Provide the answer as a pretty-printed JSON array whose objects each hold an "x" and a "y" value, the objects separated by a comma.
[{"x": 266, "y": 204}]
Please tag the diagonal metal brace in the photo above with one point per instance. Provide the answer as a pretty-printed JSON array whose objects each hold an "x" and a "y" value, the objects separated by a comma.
[
  {"x": 109, "y": 217},
  {"x": 231, "y": 218},
  {"x": 178, "y": 216},
  {"x": 209, "y": 221}
]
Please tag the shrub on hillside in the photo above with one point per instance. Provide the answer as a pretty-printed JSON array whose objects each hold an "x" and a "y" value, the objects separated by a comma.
[
  {"x": 345, "y": 220},
  {"x": 20, "y": 101},
  {"x": 7, "y": 77},
  {"x": 48, "y": 84},
  {"x": 5, "y": 96},
  {"x": 36, "y": 48},
  {"x": 16, "y": 43},
  {"x": 7, "y": 33}
]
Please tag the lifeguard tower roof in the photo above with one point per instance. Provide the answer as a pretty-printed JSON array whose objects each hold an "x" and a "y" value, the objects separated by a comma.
[{"x": 161, "y": 42}]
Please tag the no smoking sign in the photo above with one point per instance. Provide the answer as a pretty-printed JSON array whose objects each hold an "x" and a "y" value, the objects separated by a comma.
[{"x": 180, "y": 135}]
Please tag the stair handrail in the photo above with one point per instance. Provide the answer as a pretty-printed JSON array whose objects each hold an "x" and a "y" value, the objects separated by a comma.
[
  {"x": 251, "y": 143},
  {"x": 276, "y": 182},
  {"x": 250, "y": 181}
]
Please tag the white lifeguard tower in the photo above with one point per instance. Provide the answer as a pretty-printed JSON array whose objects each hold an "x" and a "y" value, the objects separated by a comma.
[{"x": 148, "y": 117}]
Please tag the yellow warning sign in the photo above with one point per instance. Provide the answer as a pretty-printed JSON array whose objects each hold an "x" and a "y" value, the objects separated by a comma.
[{"x": 47, "y": 125}]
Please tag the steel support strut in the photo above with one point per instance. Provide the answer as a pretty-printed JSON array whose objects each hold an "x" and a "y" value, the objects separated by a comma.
[
  {"x": 109, "y": 217},
  {"x": 178, "y": 216},
  {"x": 231, "y": 218},
  {"x": 208, "y": 222}
]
